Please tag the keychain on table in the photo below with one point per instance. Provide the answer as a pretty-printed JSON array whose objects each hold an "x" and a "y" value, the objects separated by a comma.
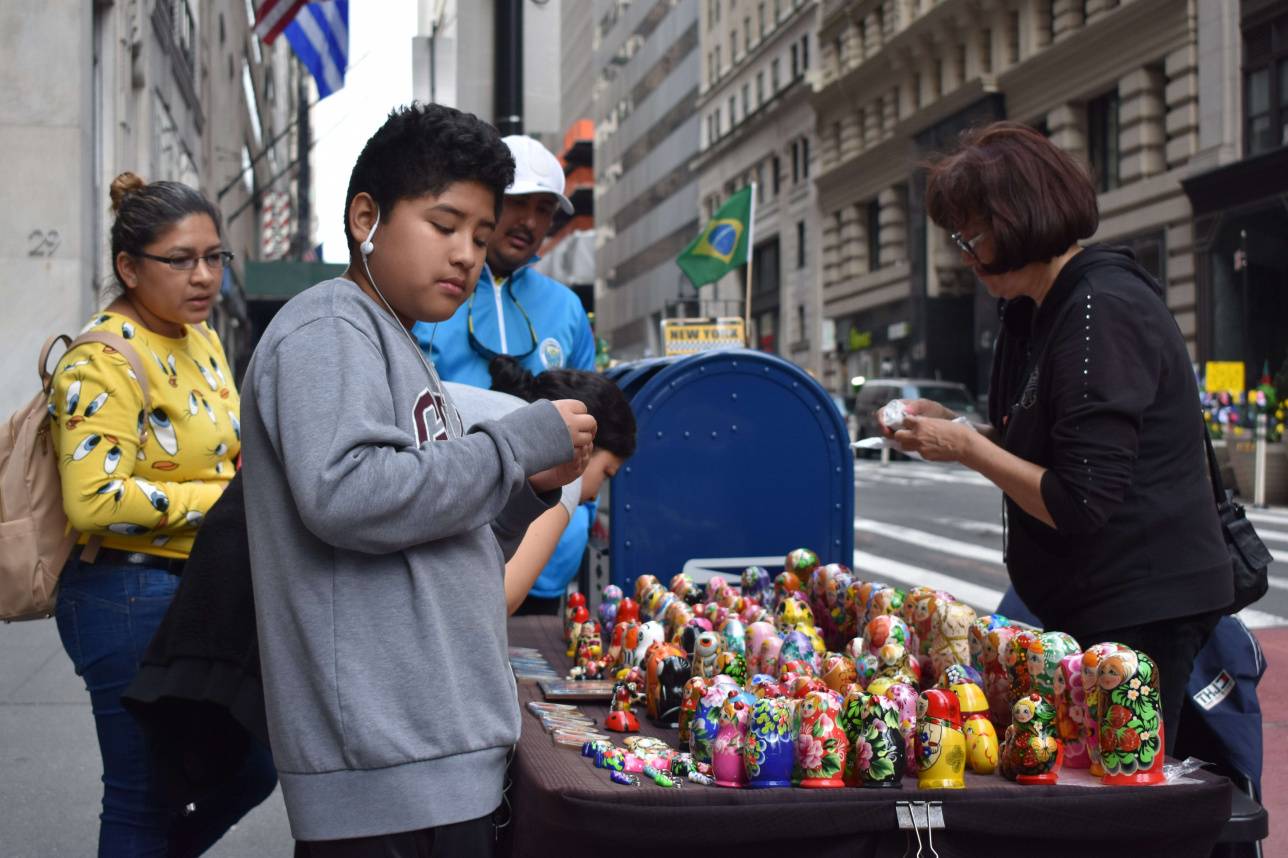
[{"x": 623, "y": 778}]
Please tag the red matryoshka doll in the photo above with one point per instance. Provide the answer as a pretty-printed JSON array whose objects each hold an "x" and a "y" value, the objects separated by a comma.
[
  {"x": 643, "y": 584},
  {"x": 997, "y": 682},
  {"x": 821, "y": 747},
  {"x": 628, "y": 609},
  {"x": 949, "y": 634},
  {"x": 1071, "y": 715},
  {"x": 1131, "y": 720},
  {"x": 941, "y": 744},
  {"x": 757, "y": 633},
  {"x": 1031, "y": 750},
  {"x": 1091, "y": 659},
  {"x": 615, "y": 657},
  {"x": 575, "y": 601},
  {"x": 621, "y": 719},
  {"x": 1016, "y": 661}
]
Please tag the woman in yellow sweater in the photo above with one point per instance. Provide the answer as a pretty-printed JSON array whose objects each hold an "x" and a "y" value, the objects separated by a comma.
[{"x": 140, "y": 478}]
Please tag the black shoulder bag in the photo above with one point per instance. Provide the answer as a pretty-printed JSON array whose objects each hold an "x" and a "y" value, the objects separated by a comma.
[{"x": 1248, "y": 554}]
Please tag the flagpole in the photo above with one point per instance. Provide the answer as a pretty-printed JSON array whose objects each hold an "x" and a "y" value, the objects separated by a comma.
[{"x": 751, "y": 254}]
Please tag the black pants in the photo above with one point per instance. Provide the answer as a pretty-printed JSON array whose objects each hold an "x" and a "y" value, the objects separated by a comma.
[
  {"x": 538, "y": 605},
  {"x": 1173, "y": 645},
  {"x": 474, "y": 838}
]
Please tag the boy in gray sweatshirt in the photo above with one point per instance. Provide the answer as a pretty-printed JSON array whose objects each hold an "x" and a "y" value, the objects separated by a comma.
[{"x": 379, "y": 527}]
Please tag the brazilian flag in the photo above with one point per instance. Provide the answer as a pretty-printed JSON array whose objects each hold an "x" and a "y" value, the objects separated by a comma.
[{"x": 722, "y": 245}]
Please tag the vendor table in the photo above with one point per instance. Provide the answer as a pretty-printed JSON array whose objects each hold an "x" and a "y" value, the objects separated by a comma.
[{"x": 563, "y": 806}]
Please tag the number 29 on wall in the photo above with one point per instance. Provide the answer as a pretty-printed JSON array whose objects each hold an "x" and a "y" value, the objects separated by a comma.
[{"x": 43, "y": 242}]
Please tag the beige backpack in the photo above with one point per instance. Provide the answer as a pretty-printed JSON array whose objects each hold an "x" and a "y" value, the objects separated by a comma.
[{"x": 35, "y": 539}]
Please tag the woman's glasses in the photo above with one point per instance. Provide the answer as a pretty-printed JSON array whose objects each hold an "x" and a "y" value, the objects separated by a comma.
[
  {"x": 214, "y": 261},
  {"x": 967, "y": 245}
]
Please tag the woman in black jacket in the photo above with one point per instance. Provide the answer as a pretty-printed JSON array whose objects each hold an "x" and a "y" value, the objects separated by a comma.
[{"x": 1095, "y": 436}]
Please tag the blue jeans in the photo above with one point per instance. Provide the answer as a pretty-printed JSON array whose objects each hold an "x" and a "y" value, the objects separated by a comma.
[{"x": 106, "y": 618}]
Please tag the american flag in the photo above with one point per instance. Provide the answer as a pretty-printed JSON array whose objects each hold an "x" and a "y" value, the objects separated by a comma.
[
  {"x": 318, "y": 31},
  {"x": 272, "y": 16}
]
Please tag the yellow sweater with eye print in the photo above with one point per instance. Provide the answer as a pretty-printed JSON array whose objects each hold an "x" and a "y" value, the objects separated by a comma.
[{"x": 148, "y": 497}]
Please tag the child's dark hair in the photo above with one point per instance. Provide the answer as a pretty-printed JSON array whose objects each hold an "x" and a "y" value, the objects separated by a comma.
[
  {"x": 423, "y": 148},
  {"x": 604, "y": 400},
  {"x": 145, "y": 210}
]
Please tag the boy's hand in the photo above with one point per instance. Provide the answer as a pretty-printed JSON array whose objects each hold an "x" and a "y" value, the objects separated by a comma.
[{"x": 581, "y": 431}]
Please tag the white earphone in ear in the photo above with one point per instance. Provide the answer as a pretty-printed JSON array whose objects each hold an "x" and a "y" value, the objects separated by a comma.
[{"x": 366, "y": 247}]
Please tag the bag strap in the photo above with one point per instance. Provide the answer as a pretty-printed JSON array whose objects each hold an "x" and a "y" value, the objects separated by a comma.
[
  {"x": 1214, "y": 470},
  {"x": 42, "y": 368}
]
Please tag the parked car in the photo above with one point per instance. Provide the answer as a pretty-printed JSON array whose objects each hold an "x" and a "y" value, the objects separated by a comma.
[{"x": 876, "y": 392}]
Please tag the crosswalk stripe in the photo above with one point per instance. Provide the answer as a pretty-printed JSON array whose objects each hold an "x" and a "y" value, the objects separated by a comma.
[
  {"x": 985, "y": 528},
  {"x": 934, "y": 473},
  {"x": 983, "y": 599},
  {"x": 925, "y": 539},
  {"x": 1261, "y": 516},
  {"x": 1254, "y": 619},
  {"x": 1273, "y": 535}
]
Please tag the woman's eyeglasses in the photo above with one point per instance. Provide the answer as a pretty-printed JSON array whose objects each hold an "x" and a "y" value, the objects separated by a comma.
[
  {"x": 214, "y": 261},
  {"x": 967, "y": 245}
]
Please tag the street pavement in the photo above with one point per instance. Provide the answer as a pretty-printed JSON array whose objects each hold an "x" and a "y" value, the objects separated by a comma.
[{"x": 916, "y": 523}]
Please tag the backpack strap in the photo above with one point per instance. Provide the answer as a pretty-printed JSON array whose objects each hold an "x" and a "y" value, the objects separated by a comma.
[{"x": 42, "y": 368}]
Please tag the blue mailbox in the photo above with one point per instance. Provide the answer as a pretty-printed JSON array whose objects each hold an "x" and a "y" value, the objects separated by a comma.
[{"x": 742, "y": 456}]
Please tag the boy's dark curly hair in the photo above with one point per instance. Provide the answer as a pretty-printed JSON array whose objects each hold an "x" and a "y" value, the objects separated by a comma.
[{"x": 424, "y": 148}]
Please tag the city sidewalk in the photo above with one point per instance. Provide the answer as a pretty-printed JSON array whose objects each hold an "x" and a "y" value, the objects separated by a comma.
[
  {"x": 1273, "y": 695},
  {"x": 50, "y": 790}
]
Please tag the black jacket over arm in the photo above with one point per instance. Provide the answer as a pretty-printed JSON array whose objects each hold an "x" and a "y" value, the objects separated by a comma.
[
  {"x": 198, "y": 693},
  {"x": 1096, "y": 386}
]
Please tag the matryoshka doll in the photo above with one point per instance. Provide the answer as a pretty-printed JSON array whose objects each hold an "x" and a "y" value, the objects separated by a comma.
[
  {"x": 694, "y": 689},
  {"x": 580, "y": 616},
  {"x": 881, "y": 751},
  {"x": 785, "y": 584},
  {"x": 1091, "y": 659},
  {"x": 793, "y": 613},
  {"x": 1046, "y": 651},
  {"x": 757, "y": 633},
  {"x": 732, "y": 665},
  {"x": 821, "y": 748},
  {"x": 997, "y": 683},
  {"x": 735, "y": 636},
  {"x": 981, "y": 738},
  {"x": 682, "y": 586},
  {"x": 884, "y": 629},
  {"x": 770, "y": 750},
  {"x": 1131, "y": 722},
  {"x": 628, "y": 610},
  {"x": 608, "y": 602},
  {"x": 706, "y": 648},
  {"x": 575, "y": 601},
  {"x": 665, "y": 672},
  {"x": 978, "y": 637},
  {"x": 645, "y": 636},
  {"x": 801, "y": 562},
  {"x": 1016, "y": 661},
  {"x": 949, "y": 634},
  {"x": 919, "y": 614},
  {"x": 642, "y": 585},
  {"x": 756, "y": 584},
  {"x": 941, "y": 744},
  {"x": 838, "y": 672},
  {"x": 770, "y": 650},
  {"x": 906, "y": 699},
  {"x": 797, "y": 646},
  {"x": 1031, "y": 751},
  {"x": 616, "y": 655},
  {"x": 852, "y": 702},
  {"x": 1071, "y": 716},
  {"x": 705, "y": 721},
  {"x": 885, "y": 601},
  {"x": 731, "y": 737}
]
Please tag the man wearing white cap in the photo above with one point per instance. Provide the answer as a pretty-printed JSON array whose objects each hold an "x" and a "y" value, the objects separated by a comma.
[{"x": 516, "y": 310}]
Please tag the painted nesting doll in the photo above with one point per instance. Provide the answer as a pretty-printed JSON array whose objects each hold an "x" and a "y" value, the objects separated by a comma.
[
  {"x": 770, "y": 750},
  {"x": 1071, "y": 714},
  {"x": 977, "y": 637},
  {"x": 577, "y": 618},
  {"x": 694, "y": 689},
  {"x": 798, "y": 646},
  {"x": 666, "y": 669},
  {"x": 839, "y": 672},
  {"x": 705, "y": 722},
  {"x": 756, "y": 635},
  {"x": 793, "y": 613},
  {"x": 821, "y": 748},
  {"x": 906, "y": 699},
  {"x": 756, "y": 583},
  {"x": 608, "y": 602},
  {"x": 884, "y": 601},
  {"x": 706, "y": 648},
  {"x": 575, "y": 601},
  {"x": 949, "y": 634},
  {"x": 1016, "y": 661},
  {"x": 881, "y": 750},
  {"x": 801, "y": 562},
  {"x": 642, "y": 586},
  {"x": 733, "y": 665},
  {"x": 941, "y": 745},
  {"x": 682, "y": 585},
  {"x": 883, "y": 629},
  {"x": 981, "y": 737},
  {"x": 644, "y": 637},
  {"x": 621, "y": 719},
  {"x": 896, "y": 663},
  {"x": 731, "y": 737},
  {"x": 785, "y": 584},
  {"x": 770, "y": 652},
  {"x": 852, "y": 704},
  {"x": 997, "y": 683},
  {"x": 1131, "y": 720},
  {"x": 1031, "y": 751},
  {"x": 919, "y": 614},
  {"x": 735, "y": 636},
  {"x": 1045, "y": 653},
  {"x": 1091, "y": 659}
]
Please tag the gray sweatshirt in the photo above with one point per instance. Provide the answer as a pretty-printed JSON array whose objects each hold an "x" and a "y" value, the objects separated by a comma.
[{"x": 376, "y": 529}]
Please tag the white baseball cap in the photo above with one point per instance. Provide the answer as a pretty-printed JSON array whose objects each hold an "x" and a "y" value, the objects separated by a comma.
[{"x": 536, "y": 170}]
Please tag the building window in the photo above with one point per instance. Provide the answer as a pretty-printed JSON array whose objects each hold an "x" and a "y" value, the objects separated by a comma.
[
  {"x": 800, "y": 323},
  {"x": 718, "y": 63},
  {"x": 800, "y": 244},
  {"x": 1265, "y": 86},
  {"x": 796, "y": 161},
  {"x": 746, "y": 100},
  {"x": 796, "y": 68},
  {"x": 1014, "y": 33},
  {"x": 733, "y": 45},
  {"x": 986, "y": 51},
  {"x": 873, "y": 218},
  {"x": 733, "y": 114},
  {"x": 719, "y": 124},
  {"x": 805, "y": 157},
  {"x": 1102, "y": 140},
  {"x": 805, "y": 52},
  {"x": 839, "y": 47},
  {"x": 746, "y": 34},
  {"x": 836, "y": 137},
  {"x": 760, "y": 182},
  {"x": 773, "y": 76},
  {"x": 776, "y": 169},
  {"x": 760, "y": 88},
  {"x": 760, "y": 19}
]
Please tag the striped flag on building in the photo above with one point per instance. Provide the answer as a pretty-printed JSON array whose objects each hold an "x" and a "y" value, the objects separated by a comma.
[{"x": 318, "y": 31}]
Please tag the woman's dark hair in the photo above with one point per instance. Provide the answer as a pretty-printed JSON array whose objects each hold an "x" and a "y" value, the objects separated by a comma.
[
  {"x": 422, "y": 149},
  {"x": 1034, "y": 199},
  {"x": 604, "y": 400},
  {"x": 145, "y": 210}
]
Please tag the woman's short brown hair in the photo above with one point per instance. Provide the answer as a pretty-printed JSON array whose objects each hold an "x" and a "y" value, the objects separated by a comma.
[{"x": 1034, "y": 199}]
